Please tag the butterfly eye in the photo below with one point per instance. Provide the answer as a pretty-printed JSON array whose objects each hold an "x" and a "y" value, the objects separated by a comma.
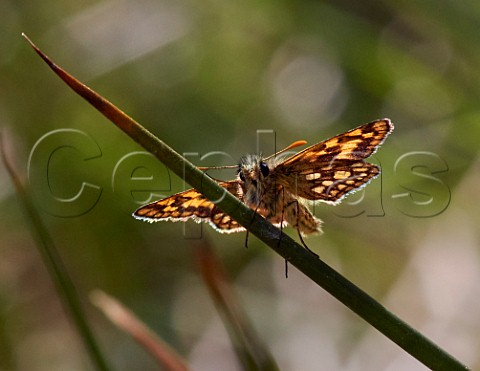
[
  {"x": 242, "y": 177},
  {"x": 264, "y": 168}
]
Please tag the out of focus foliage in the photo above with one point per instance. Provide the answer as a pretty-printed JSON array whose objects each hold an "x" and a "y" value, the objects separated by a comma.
[{"x": 216, "y": 79}]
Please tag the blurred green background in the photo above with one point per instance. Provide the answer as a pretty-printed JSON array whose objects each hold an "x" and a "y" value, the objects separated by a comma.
[{"x": 205, "y": 76}]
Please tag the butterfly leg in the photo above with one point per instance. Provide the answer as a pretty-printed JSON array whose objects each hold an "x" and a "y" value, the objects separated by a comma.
[
  {"x": 253, "y": 219},
  {"x": 296, "y": 215},
  {"x": 246, "y": 239},
  {"x": 305, "y": 245},
  {"x": 282, "y": 219},
  {"x": 281, "y": 229}
]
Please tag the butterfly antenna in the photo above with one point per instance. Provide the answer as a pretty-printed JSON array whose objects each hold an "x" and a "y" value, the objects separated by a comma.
[
  {"x": 298, "y": 143},
  {"x": 203, "y": 168}
]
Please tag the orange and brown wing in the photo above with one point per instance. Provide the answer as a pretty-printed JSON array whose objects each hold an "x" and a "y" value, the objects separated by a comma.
[
  {"x": 356, "y": 144},
  {"x": 331, "y": 184},
  {"x": 191, "y": 204},
  {"x": 329, "y": 170}
]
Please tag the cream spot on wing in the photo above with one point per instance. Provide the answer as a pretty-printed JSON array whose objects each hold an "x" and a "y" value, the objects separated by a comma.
[
  {"x": 327, "y": 183},
  {"x": 350, "y": 182},
  {"x": 341, "y": 174},
  {"x": 319, "y": 189},
  {"x": 189, "y": 202},
  {"x": 312, "y": 176},
  {"x": 341, "y": 186}
]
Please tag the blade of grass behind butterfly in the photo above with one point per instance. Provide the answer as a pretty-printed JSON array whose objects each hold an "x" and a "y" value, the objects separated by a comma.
[
  {"x": 250, "y": 350},
  {"x": 56, "y": 269},
  {"x": 116, "y": 312}
]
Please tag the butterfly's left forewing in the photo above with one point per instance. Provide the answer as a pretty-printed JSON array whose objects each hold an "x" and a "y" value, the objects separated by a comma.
[{"x": 192, "y": 204}]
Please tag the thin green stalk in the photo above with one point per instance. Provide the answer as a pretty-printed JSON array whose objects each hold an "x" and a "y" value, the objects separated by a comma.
[
  {"x": 350, "y": 295},
  {"x": 57, "y": 270}
]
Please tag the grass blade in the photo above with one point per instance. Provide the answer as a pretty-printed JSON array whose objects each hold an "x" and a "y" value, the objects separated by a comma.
[
  {"x": 57, "y": 270},
  {"x": 128, "y": 322}
]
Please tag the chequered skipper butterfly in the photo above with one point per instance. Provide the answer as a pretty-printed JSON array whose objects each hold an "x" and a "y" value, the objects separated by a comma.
[{"x": 278, "y": 189}]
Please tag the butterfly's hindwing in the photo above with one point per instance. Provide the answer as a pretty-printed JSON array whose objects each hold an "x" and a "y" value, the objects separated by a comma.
[{"x": 330, "y": 184}]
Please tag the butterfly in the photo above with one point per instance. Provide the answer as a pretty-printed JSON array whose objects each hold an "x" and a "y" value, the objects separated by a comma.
[{"x": 280, "y": 189}]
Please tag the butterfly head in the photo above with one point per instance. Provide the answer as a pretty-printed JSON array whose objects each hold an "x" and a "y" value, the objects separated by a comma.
[{"x": 252, "y": 171}]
